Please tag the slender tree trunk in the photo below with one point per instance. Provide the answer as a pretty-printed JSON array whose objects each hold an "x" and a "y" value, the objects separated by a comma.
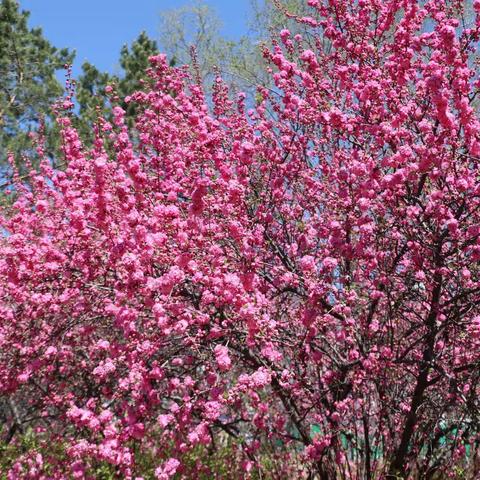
[{"x": 397, "y": 466}]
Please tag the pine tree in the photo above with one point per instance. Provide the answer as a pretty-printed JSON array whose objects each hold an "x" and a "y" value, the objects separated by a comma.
[
  {"x": 90, "y": 89},
  {"x": 28, "y": 82}
]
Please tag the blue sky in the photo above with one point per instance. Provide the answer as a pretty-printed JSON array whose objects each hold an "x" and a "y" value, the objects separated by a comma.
[{"x": 97, "y": 29}]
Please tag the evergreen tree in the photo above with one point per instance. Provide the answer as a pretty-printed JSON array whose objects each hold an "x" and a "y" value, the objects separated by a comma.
[
  {"x": 90, "y": 89},
  {"x": 28, "y": 82}
]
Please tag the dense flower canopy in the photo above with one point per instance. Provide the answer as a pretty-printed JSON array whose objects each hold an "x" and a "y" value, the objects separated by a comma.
[{"x": 301, "y": 273}]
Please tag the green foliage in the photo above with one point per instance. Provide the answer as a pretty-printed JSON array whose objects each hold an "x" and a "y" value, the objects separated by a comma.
[
  {"x": 203, "y": 462},
  {"x": 90, "y": 87},
  {"x": 29, "y": 445},
  {"x": 28, "y": 83}
]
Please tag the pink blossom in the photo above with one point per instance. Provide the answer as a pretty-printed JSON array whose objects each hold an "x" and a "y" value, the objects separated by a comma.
[
  {"x": 223, "y": 360},
  {"x": 167, "y": 470}
]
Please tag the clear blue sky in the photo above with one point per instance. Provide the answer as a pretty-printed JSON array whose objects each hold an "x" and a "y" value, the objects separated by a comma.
[{"x": 97, "y": 29}]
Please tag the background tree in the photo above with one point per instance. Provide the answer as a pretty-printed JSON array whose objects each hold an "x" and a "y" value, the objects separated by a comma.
[
  {"x": 240, "y": 61},
  {"x": 91, "y": 84},
  {"x": 267, "y": 17},
  {"x": 29, "y": 86}
]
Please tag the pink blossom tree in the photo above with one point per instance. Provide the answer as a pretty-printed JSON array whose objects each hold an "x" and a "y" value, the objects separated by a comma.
[{"x": 302, "y": 274}]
